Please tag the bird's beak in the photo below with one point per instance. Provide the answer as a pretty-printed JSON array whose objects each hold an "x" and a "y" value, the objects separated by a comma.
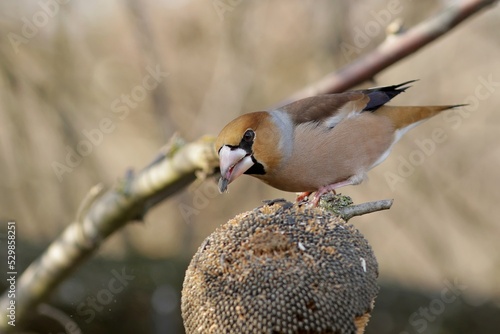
[{"x": 233, "y": 163}]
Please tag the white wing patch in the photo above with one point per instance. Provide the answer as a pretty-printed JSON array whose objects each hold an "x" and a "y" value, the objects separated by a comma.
[
  {"x": 348, "y": 110},
  {"x": 331, "y": 122}
]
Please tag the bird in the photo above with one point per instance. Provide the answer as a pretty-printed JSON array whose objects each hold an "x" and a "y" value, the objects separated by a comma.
[{"x": 320, "y": 143}]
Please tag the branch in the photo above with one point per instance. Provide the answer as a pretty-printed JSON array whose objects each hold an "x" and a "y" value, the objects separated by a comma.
[
  {"x": 392, "y": 50},
  {"x": 342, "y": 205},
  {"x": 362, "y": 209},
  {"x": 105, "y": 213}
]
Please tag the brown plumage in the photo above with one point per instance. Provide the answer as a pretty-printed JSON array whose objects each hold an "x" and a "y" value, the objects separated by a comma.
[{"x": 318, "y": 143}]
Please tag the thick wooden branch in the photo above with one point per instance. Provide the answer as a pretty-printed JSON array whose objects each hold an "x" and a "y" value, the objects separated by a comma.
[
  {"x": 393, "y": 49},
  {"x": 104, "y": 213}
]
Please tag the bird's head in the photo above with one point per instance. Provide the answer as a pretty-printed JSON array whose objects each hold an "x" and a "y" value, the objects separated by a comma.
[{"x": 247, "y": 145}]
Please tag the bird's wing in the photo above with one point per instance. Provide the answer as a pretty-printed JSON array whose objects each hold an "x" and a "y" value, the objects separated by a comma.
[{"x": 330, "y": 109}]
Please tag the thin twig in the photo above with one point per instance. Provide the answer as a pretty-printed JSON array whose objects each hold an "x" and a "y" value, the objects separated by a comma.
[
  {"x": 342, "y": 205},
  {"x": 392, "y": 50},
  {"x": 362, "y": 209}
]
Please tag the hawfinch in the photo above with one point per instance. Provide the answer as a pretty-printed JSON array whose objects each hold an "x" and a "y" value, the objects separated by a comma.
[{"x": 319, "y": 143}]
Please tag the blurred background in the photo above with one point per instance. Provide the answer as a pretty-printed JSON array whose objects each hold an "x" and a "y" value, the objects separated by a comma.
[{"x": 90, "y": 89}]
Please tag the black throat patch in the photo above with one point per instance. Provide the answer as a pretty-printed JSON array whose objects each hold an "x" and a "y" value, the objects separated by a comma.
[{"x": 256, "y": 169}]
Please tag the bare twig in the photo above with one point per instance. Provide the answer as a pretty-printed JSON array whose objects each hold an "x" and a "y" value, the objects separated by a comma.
[
  {"x": 152, "y": 55},
  {"x": 102, "y": 215},
  {"x": 392, "y": 50},
  {"x": 361, "y": 209},
  {"x": 342, "y": 205}
]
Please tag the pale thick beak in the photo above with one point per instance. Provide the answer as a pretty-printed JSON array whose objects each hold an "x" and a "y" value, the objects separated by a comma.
[{"x": 233, "y": 163}]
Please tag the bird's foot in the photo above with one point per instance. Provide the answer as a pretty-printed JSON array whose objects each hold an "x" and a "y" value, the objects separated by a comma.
[
  {"x": 302, "y": 196},
  {"x": 319, "y": 193},
  {"x": 331, "y": 187}
]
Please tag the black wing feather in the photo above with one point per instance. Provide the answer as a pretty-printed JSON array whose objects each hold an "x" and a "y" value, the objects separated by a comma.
[{"x": 381, "y": 95}]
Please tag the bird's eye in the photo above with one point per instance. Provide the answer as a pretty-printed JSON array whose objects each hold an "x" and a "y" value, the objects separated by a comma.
[{"x": 249, "y": 136}]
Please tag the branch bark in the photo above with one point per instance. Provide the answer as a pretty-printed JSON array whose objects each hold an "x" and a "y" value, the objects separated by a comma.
[
  {"x": 392, "y": 50},
  {"x": 364, "y": 208},
  {"x": 104, "y": 213},
  {"x": 342, "y": 205}
]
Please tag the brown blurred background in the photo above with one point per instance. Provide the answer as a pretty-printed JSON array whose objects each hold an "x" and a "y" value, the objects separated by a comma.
[{"x": 82, "y": 70}]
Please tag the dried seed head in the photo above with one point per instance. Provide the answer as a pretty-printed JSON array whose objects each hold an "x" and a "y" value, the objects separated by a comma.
[{"x": 281, "y": 268}]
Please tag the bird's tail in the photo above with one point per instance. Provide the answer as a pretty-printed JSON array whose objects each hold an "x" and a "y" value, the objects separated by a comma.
[{"x": 403, "y": 117}]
